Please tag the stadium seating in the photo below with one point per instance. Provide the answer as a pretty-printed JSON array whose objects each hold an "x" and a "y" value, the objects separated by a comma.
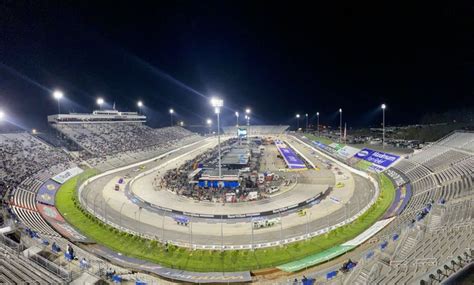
[
  {"x": 422, "y": 248},
  {"x": 22, "y": 156},
  {"x": 103, "y": 139},
  {"x": 16, "y": 269}
]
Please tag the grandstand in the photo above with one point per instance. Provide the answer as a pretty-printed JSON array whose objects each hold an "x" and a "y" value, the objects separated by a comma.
[
  {"x": 27, "y": 160},
  {"x": 433, "y": 238}
]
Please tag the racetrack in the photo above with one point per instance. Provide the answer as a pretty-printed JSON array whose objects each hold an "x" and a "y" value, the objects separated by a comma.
[{"x": 118, "y": 209}]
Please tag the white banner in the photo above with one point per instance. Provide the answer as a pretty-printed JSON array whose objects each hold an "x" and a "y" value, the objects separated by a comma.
[
  {"x": 348, "y": 151},
  {"x": 375, "y": 228},
  {"x": 66, "y": 175}
]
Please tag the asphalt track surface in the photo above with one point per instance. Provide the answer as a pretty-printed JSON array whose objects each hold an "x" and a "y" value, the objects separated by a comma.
[{"x": 117, "y": 208}]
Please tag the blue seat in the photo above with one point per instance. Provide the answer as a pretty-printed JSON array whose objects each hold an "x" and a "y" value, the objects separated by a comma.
[{"x": 331, "y": 275}]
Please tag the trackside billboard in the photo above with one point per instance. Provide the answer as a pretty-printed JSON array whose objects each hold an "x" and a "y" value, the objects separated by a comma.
[{"x": 382, "y": 159}]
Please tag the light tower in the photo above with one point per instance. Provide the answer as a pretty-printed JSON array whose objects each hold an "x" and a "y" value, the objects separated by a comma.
[
  {"x": 297, "y": 122},
  {"x": 100, "y": 102},
  {"x": 139, "y": 105},
  {"x": 58, "y": 95},
  {"x": 383, "y": 125},
  {"x": 247, "y": 116},
  {"x": 237, "y": 119},
  {"x": 171, "y": 111},
  {"x": 317, "y": 118},
  {"x": 218, "y": 103},
  {"x": 306, "y": 115},
  {"x": 340, "y": 125}
]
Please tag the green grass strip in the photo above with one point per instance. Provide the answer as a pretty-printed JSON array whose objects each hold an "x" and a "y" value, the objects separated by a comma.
[
  {"x": 211, "y": 260},
  {"x": 323, "y": 140}
]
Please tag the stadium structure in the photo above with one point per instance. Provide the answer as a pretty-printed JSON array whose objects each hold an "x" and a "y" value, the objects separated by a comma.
[{"x": 113, "y": 200}]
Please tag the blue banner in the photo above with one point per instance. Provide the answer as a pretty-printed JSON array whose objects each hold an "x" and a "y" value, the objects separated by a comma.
[
  {"x": 377, "y": 157},
  {"x": 290, "y": 157},
  {"x": 47, "y": 192}
]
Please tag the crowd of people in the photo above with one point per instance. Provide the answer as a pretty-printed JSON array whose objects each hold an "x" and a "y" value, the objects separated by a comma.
[
  {"x": 22, "y": 155},
  {"x": 101, "y": 139}
]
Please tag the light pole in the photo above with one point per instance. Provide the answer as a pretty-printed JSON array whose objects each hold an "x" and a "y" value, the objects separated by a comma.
[
  {"x": 247, "y": 116},
  {"x": 306, "y": 129},
  {"x": 100, "y": 102},
  {"x": 340, "y": 125},
  {"x": 2, "y": 115},
  {"x": 317, "y": 117},
  {"x": 237, "y": 119},
  {"x": 209, "y": 124},
  {"x": 58, "y": 95},
  {"x": 218, "y": 103},
  {"x": 171, "y": 116},
  {"x": 297, "y": 122},
  {"x": 140, "y": 105},
  {"x": 383, "y": 125}
]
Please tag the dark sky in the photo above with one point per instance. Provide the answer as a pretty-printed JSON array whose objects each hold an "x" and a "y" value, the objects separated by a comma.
[{"x": 279, "y": 59}]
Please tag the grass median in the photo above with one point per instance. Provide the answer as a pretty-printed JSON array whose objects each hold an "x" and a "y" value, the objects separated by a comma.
[{"x": 210, "y": 260}]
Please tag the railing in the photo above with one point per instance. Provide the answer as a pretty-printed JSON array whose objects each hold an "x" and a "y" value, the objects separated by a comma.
[{"x": 51, "y": 267}]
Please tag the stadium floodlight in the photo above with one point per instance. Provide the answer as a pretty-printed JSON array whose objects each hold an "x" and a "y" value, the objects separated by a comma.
[
  {"x": 317, "y": 117},
  {"x": 340, "y": 125},
  {"x": 171, "y": 111},
  {"x": 306, "y": 115},
  {"x": 100, "y": 102},
  {"x": 383, "y": 125},
  {"x": 139, "y": 105},
  {"x": 58, "y": 95},
  {"x": 218, "y": 103}
]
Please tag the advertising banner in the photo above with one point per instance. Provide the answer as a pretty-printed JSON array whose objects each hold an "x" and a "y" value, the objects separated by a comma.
[
  {"x": 348, "y": 151},
  {"x": 66, "y": 175},
  {"x": 290, "y": 157},
  {"x": 375, "y": 228},
  {"x": 397, "y": 177},
  {"x": 47, "y": 192},
  {"x": 336, "y": 146},
  {"x": 50, "y": 213},
  {"x": 377, "y": 157},
  {"x": 324, "y": 147},
  {"x": 242, "y": 133}
]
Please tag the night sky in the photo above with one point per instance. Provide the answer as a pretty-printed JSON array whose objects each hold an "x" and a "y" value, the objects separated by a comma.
[{"x": 278, "y": 59}]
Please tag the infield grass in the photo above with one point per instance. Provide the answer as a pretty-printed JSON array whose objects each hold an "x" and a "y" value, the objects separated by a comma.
[{"x": 209, "y": 260}]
